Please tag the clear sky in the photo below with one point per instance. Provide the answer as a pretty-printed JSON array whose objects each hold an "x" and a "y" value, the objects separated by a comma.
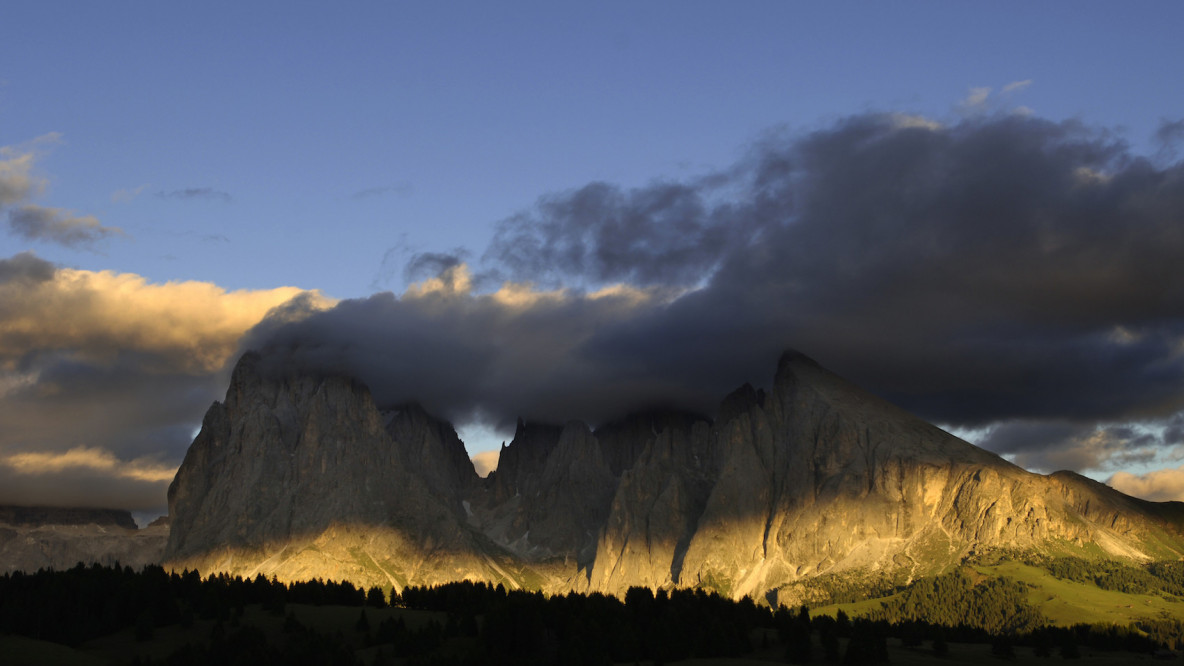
[{"x": 169, "y": 167}]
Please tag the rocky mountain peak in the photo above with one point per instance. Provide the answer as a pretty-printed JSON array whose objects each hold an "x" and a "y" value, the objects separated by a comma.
[
  {"x": 431, "y": 448},
  {"x": 287, "y": 457},
  {"x": 521, "y": 462},
  {"x": 304, "y": 475},
  {"x": 740, "y": 401},
  {"x": 622, "y": 441}
]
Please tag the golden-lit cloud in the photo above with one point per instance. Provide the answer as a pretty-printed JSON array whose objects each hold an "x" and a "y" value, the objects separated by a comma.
[
  {"x": 523, "y": 295},
  {"x": 452, "y": 281},
  {"x": 104, "y": 375},
  {"x": 1161, "y": 485},
  {"x": 95, "y": 315},
  {"x": 89, "y": 459},
  {"x": 485, "y": 462},
  {"x": 516, "y": 297}
]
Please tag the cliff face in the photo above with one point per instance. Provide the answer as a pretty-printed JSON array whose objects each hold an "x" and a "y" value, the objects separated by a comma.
[{"x": 305, "y": 476}]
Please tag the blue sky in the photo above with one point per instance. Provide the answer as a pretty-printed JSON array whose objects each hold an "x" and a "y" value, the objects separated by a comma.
[
  {"x": 260, "y": 145},
  {"x": 322, "y": 137}
]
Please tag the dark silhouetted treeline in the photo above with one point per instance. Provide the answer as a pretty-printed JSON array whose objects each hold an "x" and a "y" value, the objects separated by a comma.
[
  {"x": 83, "y": 603},
  {"x": 480, "y": 623}
]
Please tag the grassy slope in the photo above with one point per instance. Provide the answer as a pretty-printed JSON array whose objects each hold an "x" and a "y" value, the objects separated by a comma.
[
  {"x": 1066, "y": 602},
  {"x": 1063, "y": 602},
  {"x": 960, "y": 653}
]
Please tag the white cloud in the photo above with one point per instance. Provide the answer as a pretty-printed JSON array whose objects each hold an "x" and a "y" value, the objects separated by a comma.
[
  {"x": 1015, "y": 86},
  {"x": 125, "y": 195},
  {"x": 976, "y": 98},
  {"x": 984, "y": 99},
  {"x": 93, "y": 315}
]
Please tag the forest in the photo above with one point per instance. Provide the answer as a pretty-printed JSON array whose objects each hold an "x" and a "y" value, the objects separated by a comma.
[{"x": 479, "y": 623}]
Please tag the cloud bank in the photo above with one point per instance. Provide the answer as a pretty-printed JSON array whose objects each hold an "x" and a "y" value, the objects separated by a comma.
[
  {"x": 103, "y": 376},
  {"x": 1002, "y": 273},
  {"x": 1000, "y": 269},
  {"x": 1161, "y": 485}
]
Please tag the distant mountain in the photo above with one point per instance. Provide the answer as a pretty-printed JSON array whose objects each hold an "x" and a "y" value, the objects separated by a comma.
[
  {"x": 33, "y": 538},
  {"x": 36, "y": 516},
  {"x": 305, "y": 476}
]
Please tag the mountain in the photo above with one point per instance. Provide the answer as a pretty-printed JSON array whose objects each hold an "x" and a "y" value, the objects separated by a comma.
[
  {"x": 33, "y": 538},
  {"x": 300, "y": 476}
]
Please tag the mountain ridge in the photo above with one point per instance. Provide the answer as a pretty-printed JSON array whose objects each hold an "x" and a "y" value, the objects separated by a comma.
[
  {"x": 294, "y": 475},
  {"x": 41, "y": 537}
]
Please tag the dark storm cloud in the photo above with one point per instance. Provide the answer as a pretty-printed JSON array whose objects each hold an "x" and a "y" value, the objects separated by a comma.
[
  {"x": 495, "y": 356},
  {"x": 129, "y": 404},
  {"x": 26, "y": 267},
  {"x": 431, "y": 264},
  {"x": 661, "y": 234},
  {"x": 1170, "y": 132},
  {"x": 57, "y": 226},
  {"x": 1014, "y": 267},
  {"x": 197, "y": 193},
  {"x": 1050, "y": 446},
  {"x": 999, "y": 268},
  {"x": 83, "y": 486},
  {"x": 91, "y": 434},
  {"x": 1170, "y": 137}
]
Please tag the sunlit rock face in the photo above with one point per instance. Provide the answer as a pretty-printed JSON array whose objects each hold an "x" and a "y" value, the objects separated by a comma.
[
  {"x": 33, "y": 538},
  {"x": 300, "y": 477},
  {"x": 657, "y": 505},
  {"x": 820, "y": 477}
]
